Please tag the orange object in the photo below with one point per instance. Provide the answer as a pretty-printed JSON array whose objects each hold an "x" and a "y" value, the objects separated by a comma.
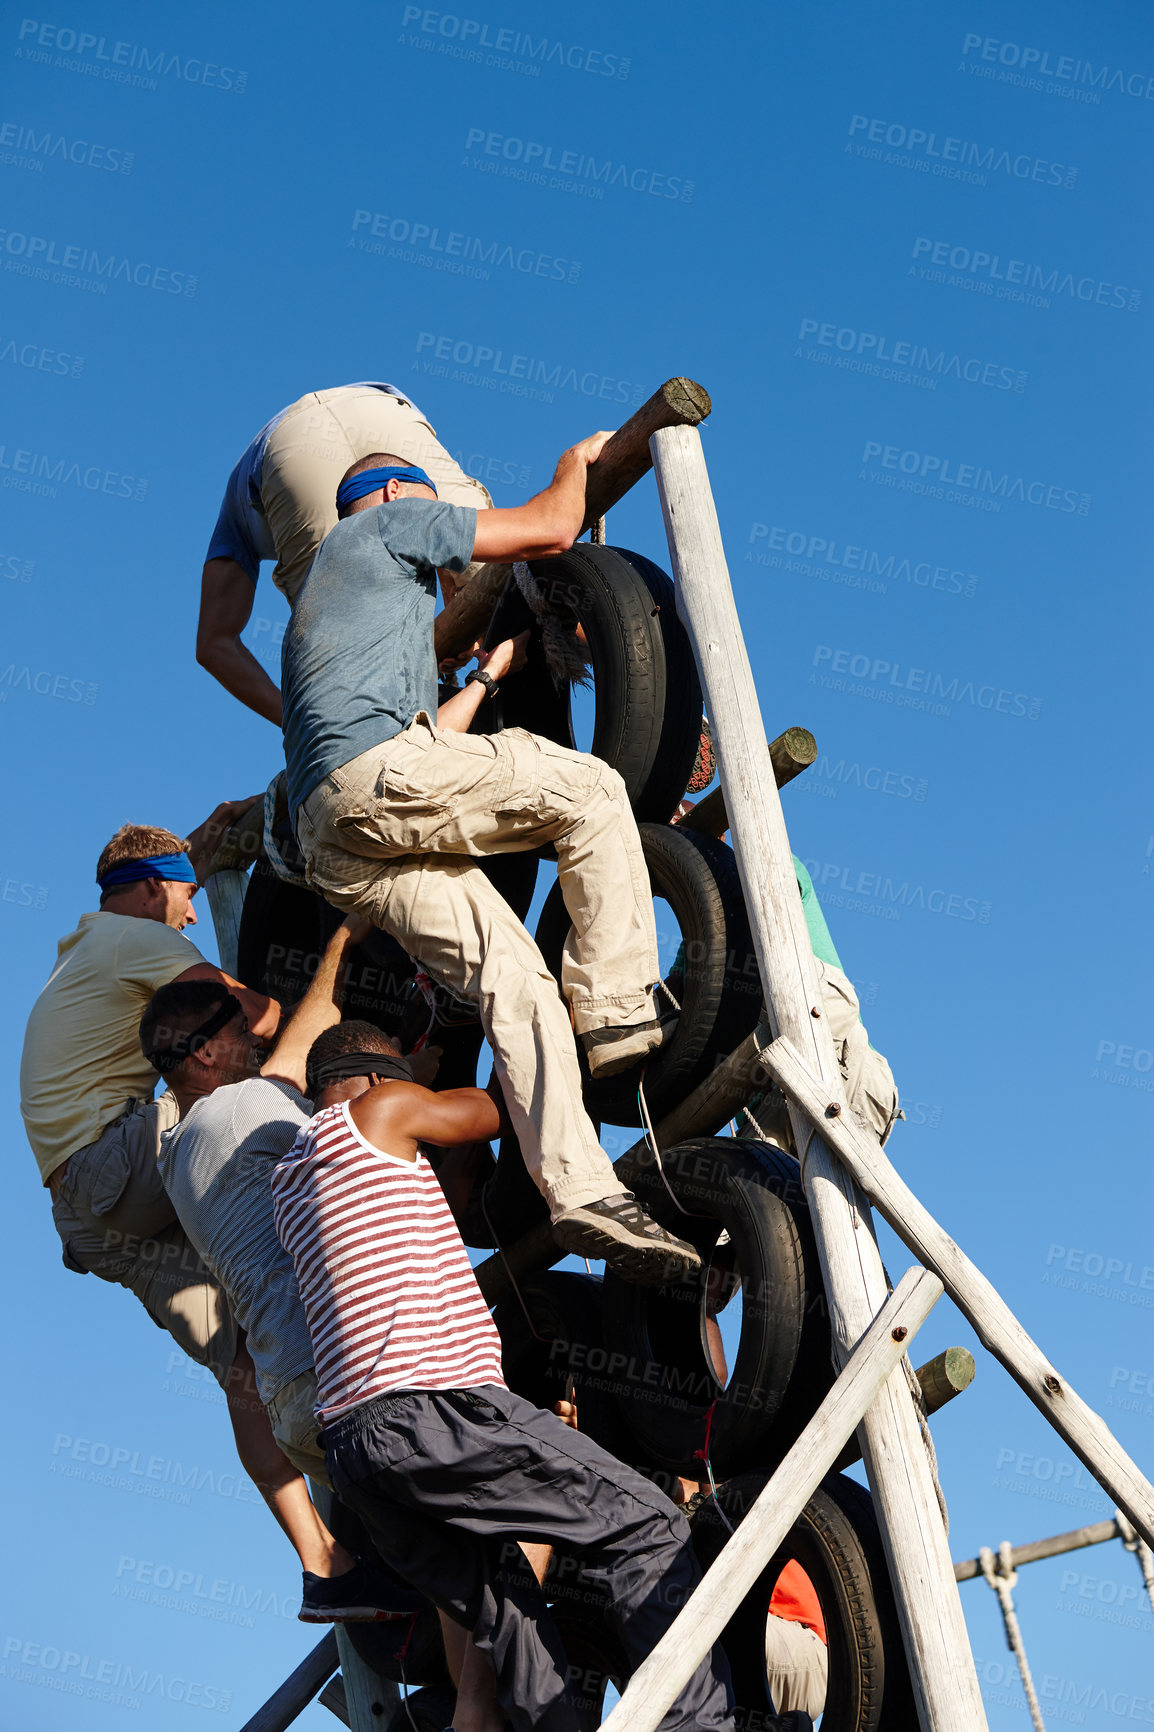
[{"x": 794, "y": 1598}]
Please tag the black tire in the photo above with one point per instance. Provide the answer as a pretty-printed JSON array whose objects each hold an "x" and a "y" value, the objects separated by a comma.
[
  {"x": 648, "y": 697},
  {"x": 283, "y": 934},
  {"x": 837, "y": 1544},
  {"x": 671, "y": 1397},
  {"x": 562, "y": 1337},
  {"x": 405, "y": 1651},
  {"x": 426, "y": 1710},
  {"x": 715, "y": 981}
]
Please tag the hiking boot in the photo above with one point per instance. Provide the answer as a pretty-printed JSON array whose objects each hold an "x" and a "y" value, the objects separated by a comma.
[
  {"x": 361, "y": 1595},
  {"x": 633, "y": 1246},
  {"x": 609, "y": 1051}
]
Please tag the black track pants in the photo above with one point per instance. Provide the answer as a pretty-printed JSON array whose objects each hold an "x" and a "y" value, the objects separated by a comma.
[{"x": 448, "y": 1481}]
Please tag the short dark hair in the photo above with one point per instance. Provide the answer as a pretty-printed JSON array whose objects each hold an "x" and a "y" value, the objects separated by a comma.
[
  {"x": 343, "y": 1038},
  {"x": 378, "y": 460},
  {"x": 177, "y": 1009}
]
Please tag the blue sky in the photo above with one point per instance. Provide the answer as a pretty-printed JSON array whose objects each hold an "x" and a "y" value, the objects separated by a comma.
[{"x": 903, "y": 248}]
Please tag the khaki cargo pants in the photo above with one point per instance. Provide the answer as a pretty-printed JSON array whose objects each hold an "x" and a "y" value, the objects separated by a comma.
[
  {"x": 392, "y": 834},
  {"x": 116, "y": 1221},
  {"x": 313, "y": 444}
]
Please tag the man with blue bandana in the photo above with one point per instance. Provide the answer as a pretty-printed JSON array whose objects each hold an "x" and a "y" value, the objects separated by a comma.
[
  {"x": 86, "y": 1090},
  {"x": 395, "y": 803},
  {"x": 280, "y": 503}
]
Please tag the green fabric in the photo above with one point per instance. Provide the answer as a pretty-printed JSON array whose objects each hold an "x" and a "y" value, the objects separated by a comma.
[{"x": 820, "y": 941}]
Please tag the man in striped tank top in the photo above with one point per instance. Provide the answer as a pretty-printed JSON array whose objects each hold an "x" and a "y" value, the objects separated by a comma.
[{"x": 422, "y": 1439}]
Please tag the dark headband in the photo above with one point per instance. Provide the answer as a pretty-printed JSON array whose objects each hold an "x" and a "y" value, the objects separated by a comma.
[
  {"x": 339, "y": 1069},
  {"x": 372, "y": 480},
  {"x": 182, "y": 1046},
  {"x": 176, "y": 868}
]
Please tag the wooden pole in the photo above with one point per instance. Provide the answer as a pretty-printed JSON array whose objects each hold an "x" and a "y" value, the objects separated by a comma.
[
  {"x": 625, "y": 459},
  {"x": 668, "y": 1669},
  {"x": 941, "y": 1665},
  {"x": 941, "y": 1380},
  {"x": 1051, "y": 1548},
  {"x": 225, "y": 891},
  {"x": 790, "y": 754},
  {"x": 998, "y": 1329}
]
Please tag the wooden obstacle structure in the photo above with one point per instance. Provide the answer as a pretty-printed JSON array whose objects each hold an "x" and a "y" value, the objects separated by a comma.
[{"x": 844, "y": 1170}]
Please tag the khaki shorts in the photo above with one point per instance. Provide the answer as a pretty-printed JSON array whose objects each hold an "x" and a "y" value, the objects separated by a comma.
[
  {"x": 313, "y": 444},
  {"x": 116, "y": 1221},
  {"x": 796, "y": 1667},
  {"x": 295, "y": 1425}
]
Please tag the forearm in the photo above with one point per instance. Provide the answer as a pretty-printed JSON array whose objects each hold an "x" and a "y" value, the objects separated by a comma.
[
  {"x": 318, "y": 1009},
  {"x": 238, "y": 671},
  {"x": 457, "y": 713}
]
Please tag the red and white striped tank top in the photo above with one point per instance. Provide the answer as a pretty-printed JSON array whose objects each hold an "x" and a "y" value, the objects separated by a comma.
[{"x": 388, "y": 1290}]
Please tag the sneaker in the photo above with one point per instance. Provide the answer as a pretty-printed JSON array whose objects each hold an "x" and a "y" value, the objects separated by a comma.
[
  {"x": 359, "y": 1596},
  {"x": 633, "y": 1246},
  {"x": 608, "y": 1051}
]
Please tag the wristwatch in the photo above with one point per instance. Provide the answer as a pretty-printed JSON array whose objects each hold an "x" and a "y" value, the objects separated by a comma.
[{"x": 483, "y": 679}]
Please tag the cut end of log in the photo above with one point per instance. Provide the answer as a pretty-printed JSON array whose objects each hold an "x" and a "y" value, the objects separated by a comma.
[{"x": 689, "y": 401}]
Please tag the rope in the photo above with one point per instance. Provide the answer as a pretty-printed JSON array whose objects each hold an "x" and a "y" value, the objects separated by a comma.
[
  {"x": 509, "y": 1272},
  {"x": 1134, "y": 1542},
  {"x": 1003, "y": 1579},
  {"x": 597, "y": 532},
  {"x": 567, "y": 662}
]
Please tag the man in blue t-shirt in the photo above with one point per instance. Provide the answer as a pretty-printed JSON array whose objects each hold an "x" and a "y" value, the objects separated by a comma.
[
  {"x": 394, "y": 802},
  {"x": 280, "y": 503}
]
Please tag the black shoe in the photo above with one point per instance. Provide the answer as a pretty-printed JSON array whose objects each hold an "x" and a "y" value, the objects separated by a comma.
[
  {"x": 633, "y": 1246},
  {"x": 359, "y": 1596},
  {"x": 609, "y": 1051},
  {"x": 794, "y": 1721}
]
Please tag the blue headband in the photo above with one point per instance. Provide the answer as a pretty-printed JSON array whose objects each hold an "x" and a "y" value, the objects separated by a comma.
[
  {"x": 371, "y": 480},
  {"x": 176, "y": 868}
]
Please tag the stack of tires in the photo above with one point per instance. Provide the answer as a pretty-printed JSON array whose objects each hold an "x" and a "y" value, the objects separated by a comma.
[{"x": 645, "y": 1365}]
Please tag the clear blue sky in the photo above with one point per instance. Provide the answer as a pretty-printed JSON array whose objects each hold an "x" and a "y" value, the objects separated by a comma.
[{"x": 908, "y": 256}]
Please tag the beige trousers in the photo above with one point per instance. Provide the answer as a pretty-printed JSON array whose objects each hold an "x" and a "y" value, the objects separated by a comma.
[
  {"x": 294, "y": 1425},
  {"x": 115, "y": 1220},
  {"x": 309, "y": 450},
  {"x": 394, "y": 834},
  {"x": 796, "y": 1667}
]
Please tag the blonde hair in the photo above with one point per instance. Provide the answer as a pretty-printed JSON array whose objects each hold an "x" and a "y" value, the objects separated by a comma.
[{"x": 137, "y": 842}]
